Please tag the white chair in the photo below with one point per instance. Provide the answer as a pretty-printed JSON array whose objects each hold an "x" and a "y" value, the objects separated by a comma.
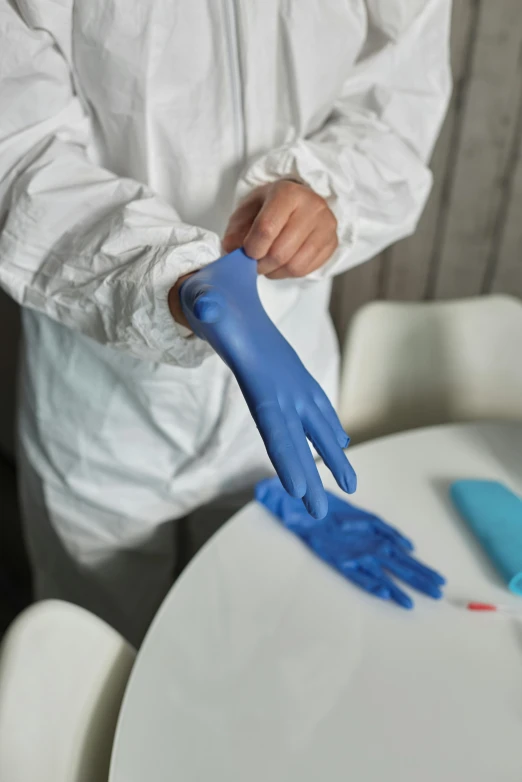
[
  {"x": 410, "y": 365},
  {"x": 63, "y": 673}
]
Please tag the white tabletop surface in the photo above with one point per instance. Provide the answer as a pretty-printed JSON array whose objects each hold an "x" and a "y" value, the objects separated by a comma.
[{"x": 263, "y": 665}]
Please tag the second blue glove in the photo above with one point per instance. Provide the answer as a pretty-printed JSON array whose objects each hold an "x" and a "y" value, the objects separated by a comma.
[{"x": 359, "y": 545}]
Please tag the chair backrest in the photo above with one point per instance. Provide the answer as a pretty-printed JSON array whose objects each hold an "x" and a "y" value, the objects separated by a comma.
[
  {"x": 63, "y": 673},
  {"x": 410, "y": 365}
]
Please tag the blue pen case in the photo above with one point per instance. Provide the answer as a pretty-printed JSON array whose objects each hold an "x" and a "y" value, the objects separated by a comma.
[{"x": 494, "y": 514}]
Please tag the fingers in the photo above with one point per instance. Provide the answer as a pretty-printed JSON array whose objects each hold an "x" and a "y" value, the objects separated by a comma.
[
  {"x": 321, "y": 434},
  {"x": 240, "y": 223},
  {"x": 315, "y": 499},
  {"x": 290, "y": 454},
  {"x": 327, "y": 409},
  {"x": 367, "y": 582},
  {"x": 418, "y": 567},
  {"x": 316, "y": 249},
  {"x": 411, "y": 577},
  {"x": 391, "y": 534},
  {"x": 280, "y": 448},
  {"x": 395, "y": 594},
  {"x": 269, "y": 222},
  {"x": 285, "y": 226},
  {"x": 287, "y": 244}
]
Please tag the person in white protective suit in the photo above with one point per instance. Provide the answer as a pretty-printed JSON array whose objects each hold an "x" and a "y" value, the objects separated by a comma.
[{"x": 129, "y": 134}]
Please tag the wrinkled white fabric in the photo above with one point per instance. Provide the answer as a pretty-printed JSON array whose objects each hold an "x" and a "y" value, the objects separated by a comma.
[{"x": 128, "y": 132}]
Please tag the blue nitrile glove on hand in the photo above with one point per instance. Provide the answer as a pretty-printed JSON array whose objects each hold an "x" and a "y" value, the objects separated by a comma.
[
  {"x": 222, "y": 306},
  {"x": 355, "y": 543}
]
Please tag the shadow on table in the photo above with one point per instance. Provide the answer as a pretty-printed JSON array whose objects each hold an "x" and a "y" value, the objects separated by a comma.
[
  {"x": 503, "y": 441},
  {"x": 196, "y": 529}
]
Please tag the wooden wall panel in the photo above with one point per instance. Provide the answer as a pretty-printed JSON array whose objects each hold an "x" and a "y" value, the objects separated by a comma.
[
  {"x": 484, "y": 151},
  {"x": 469, "y": 240},
  {"x": 408, "y": 277},
  {"x": 505, "y": 273},
  {"x": 353, "y": 289}
]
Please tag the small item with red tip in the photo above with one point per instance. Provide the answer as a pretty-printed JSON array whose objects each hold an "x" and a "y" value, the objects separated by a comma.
[{"x": 493, "y": 608}]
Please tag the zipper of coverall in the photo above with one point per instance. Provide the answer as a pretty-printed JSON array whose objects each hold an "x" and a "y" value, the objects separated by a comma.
[{"x": 234, "y": 57}]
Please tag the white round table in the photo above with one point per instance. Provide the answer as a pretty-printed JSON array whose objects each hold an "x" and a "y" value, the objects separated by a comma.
[{"x": 263, "y": 665}]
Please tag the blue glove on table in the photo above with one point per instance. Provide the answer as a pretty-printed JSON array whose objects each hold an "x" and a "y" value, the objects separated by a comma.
[
  {"x": 222, "y": 306},
  {"x": 355, "y": 543}
]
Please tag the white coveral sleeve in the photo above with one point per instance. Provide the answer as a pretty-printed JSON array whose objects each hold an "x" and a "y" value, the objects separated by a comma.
[
  {"x": 92, "y": 250},
  {"x": 370, "y": 159}
]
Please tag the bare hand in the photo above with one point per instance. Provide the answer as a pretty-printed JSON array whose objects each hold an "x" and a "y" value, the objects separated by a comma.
[{"x": 285, "y": 226}]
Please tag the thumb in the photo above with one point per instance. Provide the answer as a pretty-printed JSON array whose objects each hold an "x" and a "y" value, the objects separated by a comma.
[
  {"x": 205, "y": 303},
  {"x": 240, "y": 223},
  {"x": 209, "y": 307}
]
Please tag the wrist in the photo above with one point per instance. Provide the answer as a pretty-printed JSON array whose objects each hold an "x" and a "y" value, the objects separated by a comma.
[{"x": 174, "y": 302}]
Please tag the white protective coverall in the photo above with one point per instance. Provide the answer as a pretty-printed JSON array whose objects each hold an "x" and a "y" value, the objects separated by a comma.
[{"x": 128, "y": 131}]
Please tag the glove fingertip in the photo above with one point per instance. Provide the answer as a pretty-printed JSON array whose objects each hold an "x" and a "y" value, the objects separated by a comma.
[
  {"x": 317, "y": 506},
  {"x": 349, "y": 482},
  {"x": 405, "y": 601},
  {"x": 401, "y": 598},
  {"x": 430, "y": 589},
  {"x": 347, "y": 478},
  {"x": 294, "y": 486},
  {"x": 343, "y": 439}
]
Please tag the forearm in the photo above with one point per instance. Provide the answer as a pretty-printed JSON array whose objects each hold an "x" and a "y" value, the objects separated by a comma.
[{"x": 95, "y": 251}]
